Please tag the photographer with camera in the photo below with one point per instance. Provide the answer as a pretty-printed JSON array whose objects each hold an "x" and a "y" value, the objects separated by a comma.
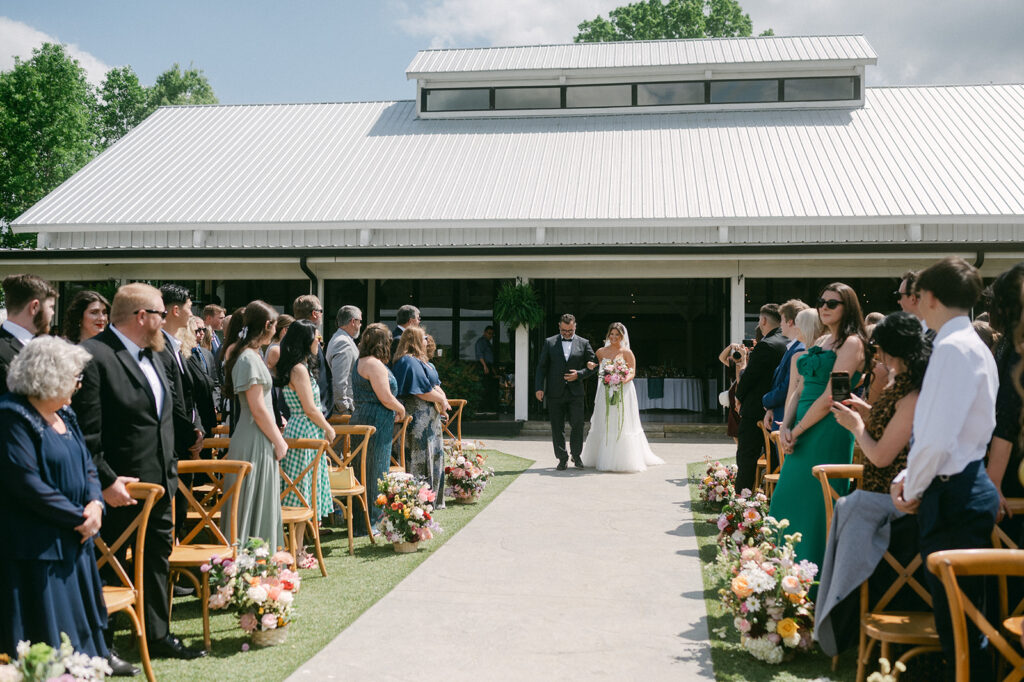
[
  {"x": 734, "y": 357},
  {"x": 753, "y": 384}
]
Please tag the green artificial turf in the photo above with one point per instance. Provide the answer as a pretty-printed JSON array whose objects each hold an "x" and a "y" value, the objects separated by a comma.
[
  {"x": 324, "y": 606},
  {"x": 730, "y": 660}
]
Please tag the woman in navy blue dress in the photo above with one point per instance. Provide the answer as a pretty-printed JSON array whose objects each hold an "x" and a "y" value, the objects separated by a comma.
[{"x": 51, "y": 505}]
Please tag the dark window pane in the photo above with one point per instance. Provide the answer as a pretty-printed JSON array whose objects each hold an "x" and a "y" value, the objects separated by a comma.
[
  {"x": 652, "y": 94},
  {"x": 527, "y": 98},
  {"x": 339, "y": 292},
  {"x": 734, "y": 92},
  {"x": 392, "y": 294},
  {"x": 436, "y": 298},
  {"x": 817, "y": 89},
  {"x": 441, "y": 330},
  {"x": 467, "y": 99},
  {"x": 598, "y": 96},
  {"x": 476, "y": 297}
]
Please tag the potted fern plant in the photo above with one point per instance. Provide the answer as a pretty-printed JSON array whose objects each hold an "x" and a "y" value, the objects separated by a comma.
[{"x": 517, "y": 305}]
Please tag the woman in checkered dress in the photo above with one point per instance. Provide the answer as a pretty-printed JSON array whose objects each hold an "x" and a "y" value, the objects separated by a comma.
[{"x": 296, "y": 373}]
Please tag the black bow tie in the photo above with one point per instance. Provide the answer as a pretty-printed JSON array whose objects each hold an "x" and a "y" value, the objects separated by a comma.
[
  {"x": 564, "y": 340},
  {"x": 146, "y": 353}
]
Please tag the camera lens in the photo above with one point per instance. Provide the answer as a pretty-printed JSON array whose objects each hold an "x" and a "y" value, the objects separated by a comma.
[{"x": 736, "y": 355}]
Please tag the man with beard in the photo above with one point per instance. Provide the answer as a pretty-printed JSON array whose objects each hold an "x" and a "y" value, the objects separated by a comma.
[
  {"x": 125, "y": 409},
  {"x": 30, "y": 301}
]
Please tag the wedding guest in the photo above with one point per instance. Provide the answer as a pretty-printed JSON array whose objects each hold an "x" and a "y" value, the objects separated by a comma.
[
  {"x": 309, "y": 308},
  {"x": 374, "y": 392},
  {"x": 419, "y": 389},
  {"x": 229, "y": 402},
  {"x": 342, "y": 354},
  {"x": 51, "y": 506},
  {"x": 774, "y": 400},
  {"x": 86, "y": 316},
  {"x": 810, "y": 431},
  {"x": 988, "y": 335},
  {"x": 407, "y": 316},
  {"x": 483, "y": 351},
  {"x": 734, "y": 357},
  {"x": 296, "y": 375},
  {"x": 871, "y": 319},
  {"x": 30, "y": 301},
  {"x": 256, "y": 438},
  {"x": 863, "y": 520},
  {"x": 273, "y": 351},
  {"x": 909, "y": 301},
  {"x": 188, "y": 430},
  {"x": 125, "y": 408},
  {"x": 945, "y": 482},
  {"x": 202, "y": 366},
  {"x": 753, "y": 384},
  {"x": 213, "y": 317}
]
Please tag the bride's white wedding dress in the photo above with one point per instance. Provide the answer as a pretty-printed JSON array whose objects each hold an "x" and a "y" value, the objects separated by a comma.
[{"x": 609, "y": 449}]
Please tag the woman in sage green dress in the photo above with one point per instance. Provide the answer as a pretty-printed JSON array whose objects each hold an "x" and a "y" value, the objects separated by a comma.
[
  {"x": 256, "y": 438},
  {"x": 810, "y": 434}
]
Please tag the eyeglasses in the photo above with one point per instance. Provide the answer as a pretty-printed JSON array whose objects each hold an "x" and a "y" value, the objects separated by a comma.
[
  {"x": 200, "y": 331},
  {"x": 161, "y": 313},
  {"x": 317, "y": 310},
  {"x": 831, "y": 303},
  {"x": 78, "y": 381}
]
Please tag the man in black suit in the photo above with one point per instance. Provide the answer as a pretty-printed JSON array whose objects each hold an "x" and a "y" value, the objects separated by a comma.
[
  {"x": 408, "y": 316},
  {"x": 308, "y": 307},
  {"x": 754, "y": 383},
  {"x": 125, "y": 409},
  {"x": 561, "y": 370},
  {"x": 202, "y": 366},
  {"x": 30, "y": 301},
  {"x": 188, "y": 431}
]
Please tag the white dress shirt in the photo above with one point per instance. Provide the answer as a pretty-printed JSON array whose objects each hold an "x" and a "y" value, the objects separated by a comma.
[
  {"x": 146, "y": 365},
  {"x": 567, "y": 347},
  {"x": 955, "y": 413},
  {"x": 18, "y": 332}
]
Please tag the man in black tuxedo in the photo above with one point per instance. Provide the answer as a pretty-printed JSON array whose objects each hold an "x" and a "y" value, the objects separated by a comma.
[
  {"x": 561, "y": 369},
  {"x": 125, "y": 409},
  {"x": 754, "y": 383},
  {"x": 408, "y": 316},
  {"x": 30, "y": 301},
  {"x": 202, "y": 366}
]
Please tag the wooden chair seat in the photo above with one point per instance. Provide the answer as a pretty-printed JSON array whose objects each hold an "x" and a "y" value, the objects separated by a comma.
[
  {"x": 1014, "y": 625},
  {"x": 118, "y": 598},
  {"x": 345, "y": 497},
  {"x": 902, "y": 627},
  {"x": 195, "y": 516},
  {"x": 197, "y": 555},
  {"x": 295, "y": 515}
]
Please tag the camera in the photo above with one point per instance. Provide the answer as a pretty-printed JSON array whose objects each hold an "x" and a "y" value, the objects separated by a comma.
[
  {"x": 736, "y": 355},
  {"x": 749, "y": 343}
]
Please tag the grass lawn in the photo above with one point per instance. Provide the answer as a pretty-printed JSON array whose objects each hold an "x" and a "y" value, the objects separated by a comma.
[
  {"x": 730, "y": 661},
  {"x": 324, "y": 606}
]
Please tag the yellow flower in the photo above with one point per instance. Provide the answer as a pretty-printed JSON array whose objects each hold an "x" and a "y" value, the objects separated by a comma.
[
  {"x": 787, "y": 627},
  {"x": 405, "y": 512}
]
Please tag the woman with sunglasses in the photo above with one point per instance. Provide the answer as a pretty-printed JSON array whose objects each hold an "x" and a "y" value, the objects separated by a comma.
[{"x": 810, "y": 434}]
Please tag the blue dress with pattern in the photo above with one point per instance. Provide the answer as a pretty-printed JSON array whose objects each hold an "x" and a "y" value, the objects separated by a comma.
[{"x": 370, "y": 412}]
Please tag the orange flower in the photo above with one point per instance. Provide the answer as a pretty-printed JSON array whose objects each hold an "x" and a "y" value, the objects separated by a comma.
[
  {"x": 796, "y": 598},
  {"x": 381, "y": 500},
  {"x": 741, "y": 588}
]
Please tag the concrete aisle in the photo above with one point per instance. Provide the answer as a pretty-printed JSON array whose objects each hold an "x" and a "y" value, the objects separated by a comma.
[{"x": 584, "y": 576}]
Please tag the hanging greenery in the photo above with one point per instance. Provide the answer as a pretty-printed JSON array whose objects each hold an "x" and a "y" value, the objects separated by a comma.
[{"x": 517, "y": 304}]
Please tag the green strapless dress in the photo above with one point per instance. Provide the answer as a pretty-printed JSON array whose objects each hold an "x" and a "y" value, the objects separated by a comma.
[{"x": 797, "y": 496}]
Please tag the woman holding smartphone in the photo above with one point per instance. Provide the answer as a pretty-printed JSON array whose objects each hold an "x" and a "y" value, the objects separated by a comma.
[{"x": 810, "y": 434}]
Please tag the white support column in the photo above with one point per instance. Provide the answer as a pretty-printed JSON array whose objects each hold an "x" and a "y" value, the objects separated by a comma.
[
  {"x": 737, "y": 305},
  {"x": 522, "y": 369},
  {"x": 320, "y": 294}
]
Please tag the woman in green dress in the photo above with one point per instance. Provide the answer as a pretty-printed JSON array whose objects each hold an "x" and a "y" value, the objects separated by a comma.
[
  {"x": 810, "y": 434},
  {"x": 296, "y": 373},
  {"x": 256, "y": 438}
]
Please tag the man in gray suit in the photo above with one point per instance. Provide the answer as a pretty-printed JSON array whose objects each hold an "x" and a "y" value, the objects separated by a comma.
[{"x": 342, "y": 354}]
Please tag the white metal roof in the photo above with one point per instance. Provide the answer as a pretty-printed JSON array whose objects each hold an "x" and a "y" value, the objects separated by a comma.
[
  {"x": 645, "y": 53},
  {"x": 926, "y": 154}
]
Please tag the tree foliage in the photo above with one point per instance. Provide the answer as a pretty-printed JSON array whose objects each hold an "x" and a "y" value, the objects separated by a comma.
[
  {"x": 123, "y": 104},
  {"x": 175, "y": 86},
  {"x": 658, "y": 20}
]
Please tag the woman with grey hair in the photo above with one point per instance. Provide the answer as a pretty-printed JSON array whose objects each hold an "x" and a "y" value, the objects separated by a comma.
[{"x": 51, "y": 504}]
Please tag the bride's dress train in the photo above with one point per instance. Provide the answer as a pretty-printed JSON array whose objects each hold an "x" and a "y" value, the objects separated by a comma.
[{"x": 608, "y": 449}]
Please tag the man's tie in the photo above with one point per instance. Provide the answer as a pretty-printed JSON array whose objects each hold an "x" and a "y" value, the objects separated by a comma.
[{"x": 146, "y": 353}]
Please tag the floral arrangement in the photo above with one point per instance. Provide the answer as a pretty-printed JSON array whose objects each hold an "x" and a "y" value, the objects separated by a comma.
[
  {"x": 40, "y": 662},
  {"x": 742, "y": 520},
  {"x": 407, "y": 505},
  {"x": 614, "y": 373},
  {"x": 257, "y": 584},
  {"x": 767, "y": 595},
  {"x": 466, "y": 474},
  {"x": 717, "y": 483}
]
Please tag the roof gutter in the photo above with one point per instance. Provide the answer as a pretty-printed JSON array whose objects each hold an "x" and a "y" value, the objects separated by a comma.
[{"x": 314, "y": 282}]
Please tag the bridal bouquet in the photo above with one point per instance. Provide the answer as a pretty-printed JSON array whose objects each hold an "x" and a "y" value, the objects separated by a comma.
[
  {"x": 717, "y": 483},
  {"x": 466, "y": 474},
  {"x": 40, "y": 662},
  {"x": 742, "y": 520},
  {"x": 767, "y": 596},
  {"x": 258, "y": 585},
  {"x": 615, "y": 373},
  {"x": 407, "y": 505}
]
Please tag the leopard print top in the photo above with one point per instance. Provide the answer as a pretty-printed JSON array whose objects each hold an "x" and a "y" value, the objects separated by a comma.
[{"x": 878, "y": 479}]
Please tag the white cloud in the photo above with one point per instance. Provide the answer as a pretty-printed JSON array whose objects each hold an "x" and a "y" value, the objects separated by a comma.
[{"x": 18, "y": 40}]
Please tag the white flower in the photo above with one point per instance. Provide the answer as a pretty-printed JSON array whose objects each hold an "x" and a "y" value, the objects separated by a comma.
[
  {"x": 246, "y": 561},
  {"x": 286, "y": 598},
  {"x": 737, "y": 537},
  {"x": 416, "y": 513},
  {"x": 23, "y": 648},
  {"x": 770, "y": 625},
  {"x": 257, "y": 594},
  {"x": 262, "y": 552},
  {"x": 753, "y": 604},
  {"x": 460, "y": 460},
  {"x": 792, "y": 641}
]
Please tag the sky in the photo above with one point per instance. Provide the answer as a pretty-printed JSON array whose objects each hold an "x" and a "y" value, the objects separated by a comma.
[{"x": 261, "y": 51}]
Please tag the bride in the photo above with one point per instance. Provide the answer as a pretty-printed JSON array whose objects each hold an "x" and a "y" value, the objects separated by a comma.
[{"x": 616, "y": 441}]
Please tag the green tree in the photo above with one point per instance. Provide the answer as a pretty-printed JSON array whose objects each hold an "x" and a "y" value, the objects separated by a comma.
[
  {"x": 48, "y": 130},
  {"x": 657, "y": 20},
  {"x": 123, "y": 104},
  {"x": 175, "y": 86}
]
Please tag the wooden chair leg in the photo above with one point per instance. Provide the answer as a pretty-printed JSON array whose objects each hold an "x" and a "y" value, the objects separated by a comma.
[
  {"x": 864, "y": 648},
  {"x": 348, "y": 519},
  {"x": 366, "y": 512},
  {"x": 316, "y": 543},
  {"x": 291, "y": 547},
  {"x": 140, "y": 633},
  {"x": 206, "y": 610}
]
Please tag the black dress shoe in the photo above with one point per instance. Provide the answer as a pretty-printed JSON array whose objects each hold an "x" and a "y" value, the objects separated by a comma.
[
  {"x": 182, "y": 591},
  {"x": 562, "y": 464},
  {"x": 172, "y": 647},
  {"x": 121, "y": 667},
  {"x": 577, "y": 462}
]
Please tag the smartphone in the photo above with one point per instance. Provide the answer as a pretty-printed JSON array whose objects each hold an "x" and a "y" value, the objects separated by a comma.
[
  {"x": 840, "y": 386},
  {"x": 749, "y": 343}
]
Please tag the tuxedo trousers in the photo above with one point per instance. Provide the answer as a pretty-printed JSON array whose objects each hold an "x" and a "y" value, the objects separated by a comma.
[
  {"x": 558, "y": 410},
  {"x": 748, "y": 450}
]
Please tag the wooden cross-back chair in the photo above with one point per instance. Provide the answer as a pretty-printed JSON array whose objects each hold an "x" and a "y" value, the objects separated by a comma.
[
  {"x": 762, "y": 462},
  {"x": 342, "y": 442},
  {"x": 222, "y": 430},
  {"x": 955, "y": 563},
  {"x": 453, "y": 427},
  {"x": 218, "y": 448},
  {"x": 204, "y": 511},
  {"x": 1012, "y": 618},
  {"x": 772, "y": 479},
  {"x": 398, "y": 443},
  {"x": 308, "y": 513},
  {"x": 128, "y": 595},
  {"x": 913, "y": 628},
  {"x": 344, "y": 496}
]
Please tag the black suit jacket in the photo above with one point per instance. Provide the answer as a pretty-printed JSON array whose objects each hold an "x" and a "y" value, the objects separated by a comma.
[
  {"x": 185, "y": 424},
  {"x": 202, "y": 367},
  {"x": 757, "y": 377},
  {"x": 117, "y": 414},
  {"x": 551, "y": 365},
  {"x": 9, "y": 347}
]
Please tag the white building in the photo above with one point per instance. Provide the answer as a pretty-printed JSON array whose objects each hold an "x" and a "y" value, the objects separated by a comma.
[{"x": 673, "y": 185}]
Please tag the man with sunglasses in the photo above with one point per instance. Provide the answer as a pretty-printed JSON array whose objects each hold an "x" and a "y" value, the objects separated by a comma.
[{"x": 909, "y": 301}]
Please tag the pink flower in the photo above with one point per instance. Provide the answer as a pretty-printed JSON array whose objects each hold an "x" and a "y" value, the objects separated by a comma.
[
  {"x": 615, "y": 379},
  {"x": 607, "y": 378},
  {"x": 205, "y": 568},
  {"x": 282, "y": 557},
  {"x": 269, "y": 621},
  {"x": 722, "y": 522},
  {"x": 245, "y": 646},
  {"x": 742, "y": 624},
  {"x": 215, "y": 560},
  {"x": 774, "y": 638},
  {"x": 426, "y": 495},
  {"x": 247, "y": 621}
]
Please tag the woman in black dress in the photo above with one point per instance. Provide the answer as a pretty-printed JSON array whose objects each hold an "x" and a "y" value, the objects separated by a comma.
[{"x": 51, "y": 505}]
